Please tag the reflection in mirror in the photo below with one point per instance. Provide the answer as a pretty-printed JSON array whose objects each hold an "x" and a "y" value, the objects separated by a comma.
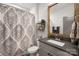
[{"x": 61, "y": 18}]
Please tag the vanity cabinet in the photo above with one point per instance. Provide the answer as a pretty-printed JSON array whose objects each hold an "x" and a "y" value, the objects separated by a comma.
[{"x": 47, "y": 49}]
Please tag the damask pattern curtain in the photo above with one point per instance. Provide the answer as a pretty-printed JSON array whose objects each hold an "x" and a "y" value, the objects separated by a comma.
[{"x": 17, "y": 30}]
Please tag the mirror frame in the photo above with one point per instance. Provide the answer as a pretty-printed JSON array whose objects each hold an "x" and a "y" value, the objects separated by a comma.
[{"x": 49, "y": 7}]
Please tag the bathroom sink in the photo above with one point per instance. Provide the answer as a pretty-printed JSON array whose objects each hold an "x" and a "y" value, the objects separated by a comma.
[{"x": 56, "y": 42}]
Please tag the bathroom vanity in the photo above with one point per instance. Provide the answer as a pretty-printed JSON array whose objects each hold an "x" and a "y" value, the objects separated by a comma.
[{"x": 51, "y": 49}]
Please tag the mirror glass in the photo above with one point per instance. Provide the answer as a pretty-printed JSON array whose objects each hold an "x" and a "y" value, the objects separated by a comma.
[{"x": 61, "y": 18}]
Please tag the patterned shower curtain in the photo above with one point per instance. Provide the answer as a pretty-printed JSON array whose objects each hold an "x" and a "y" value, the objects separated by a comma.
[{"x": 17, "y": 30}]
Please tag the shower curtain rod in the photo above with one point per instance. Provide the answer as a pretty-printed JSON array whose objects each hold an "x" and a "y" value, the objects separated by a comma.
[{"x": 16, "y": 6}]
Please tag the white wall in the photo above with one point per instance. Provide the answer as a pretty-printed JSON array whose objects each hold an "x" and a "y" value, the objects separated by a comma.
[
  {"x": 43, "y": 11},
  {"x": 58, "y": 12},
  {"x": 43, "y": 14}
]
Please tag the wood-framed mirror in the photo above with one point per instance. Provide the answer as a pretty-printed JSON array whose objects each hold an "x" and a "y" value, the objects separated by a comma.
[
  {"x": 60, "y": 15},
  {"x": 63, "y": 15},
  {"x": 49, "y": 7}
]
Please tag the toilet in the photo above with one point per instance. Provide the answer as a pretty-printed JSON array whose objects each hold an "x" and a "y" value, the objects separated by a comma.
[{"x": 33, "y": 50}]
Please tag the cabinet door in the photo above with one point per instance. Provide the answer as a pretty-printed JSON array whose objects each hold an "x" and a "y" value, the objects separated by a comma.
[{"x": 42, "y": 52}]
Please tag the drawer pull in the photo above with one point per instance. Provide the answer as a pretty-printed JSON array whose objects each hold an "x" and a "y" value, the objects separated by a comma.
[{"x": 50, "y": 54}]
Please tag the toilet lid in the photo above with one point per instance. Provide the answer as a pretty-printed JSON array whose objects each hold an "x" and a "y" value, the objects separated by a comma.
[{"x": 32, "y": 49}]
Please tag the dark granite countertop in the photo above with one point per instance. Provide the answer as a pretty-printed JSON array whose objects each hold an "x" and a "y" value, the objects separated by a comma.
[{"x": 68, "y": 47}]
